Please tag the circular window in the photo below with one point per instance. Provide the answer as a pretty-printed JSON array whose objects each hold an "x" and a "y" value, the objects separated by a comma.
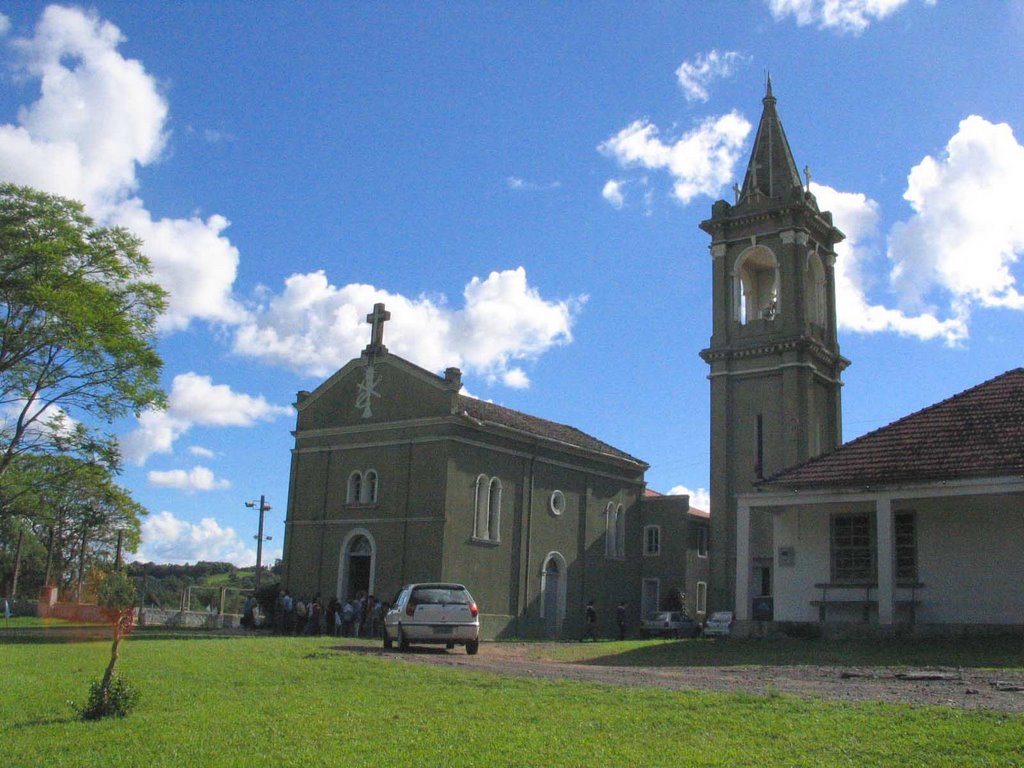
[{"x": 557, "y": 503}]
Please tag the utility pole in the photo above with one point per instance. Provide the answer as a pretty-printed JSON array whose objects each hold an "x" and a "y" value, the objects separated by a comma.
[{"x": 263, "y": 508}]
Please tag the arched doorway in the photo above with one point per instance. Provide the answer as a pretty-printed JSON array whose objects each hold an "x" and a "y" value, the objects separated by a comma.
[
  {"x": 357, "y": 564},
  {"x": 553, "y": 582}
]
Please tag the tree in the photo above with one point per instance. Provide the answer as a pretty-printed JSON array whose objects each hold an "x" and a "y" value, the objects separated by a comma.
[
  {"x": 113, "y": 695},
  {"x": 77, "y": 329},
  {"x": 74, "y": 512}
]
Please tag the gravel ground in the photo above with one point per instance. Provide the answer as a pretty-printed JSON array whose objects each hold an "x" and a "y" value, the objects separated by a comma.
[{"x": 957, "y": 688}]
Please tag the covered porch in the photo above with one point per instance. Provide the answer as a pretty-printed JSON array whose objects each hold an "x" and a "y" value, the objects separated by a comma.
[{"x": 942, "y": 554}]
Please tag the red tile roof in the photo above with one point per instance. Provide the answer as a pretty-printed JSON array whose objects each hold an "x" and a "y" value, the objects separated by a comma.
[
  {"x": 497, "y": 414},
  {"x": 977, "y": 433}
]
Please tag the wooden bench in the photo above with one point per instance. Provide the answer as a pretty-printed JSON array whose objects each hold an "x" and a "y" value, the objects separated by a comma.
[{"x": 865, "y": 605}]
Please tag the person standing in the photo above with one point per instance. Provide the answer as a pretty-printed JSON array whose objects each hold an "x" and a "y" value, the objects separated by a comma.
[
  {"x": 620, "y": 619},
  {"x": 347, "y": 616},
  {"x": 590, "y": 622}
]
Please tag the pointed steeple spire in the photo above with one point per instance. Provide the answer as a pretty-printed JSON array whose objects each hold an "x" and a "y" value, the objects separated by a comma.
[{"x": 771, "y": 171}]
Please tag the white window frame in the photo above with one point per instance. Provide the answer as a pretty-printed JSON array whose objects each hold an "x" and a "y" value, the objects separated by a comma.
[
  {"x": 494, "y": 510},
  {"x": 620, "y": 532},
  {"x": 649, "y": 532},
  {"x": 556, "y": 503},
  {"x": 480, "y": 517},
  {"x": 370, "y": 490},
  {"x": 702, "y": 598},
  {"x": 703, "y": 535},
  {"x": 355, "y": 486},
  {"x": 610, "y": 547}
]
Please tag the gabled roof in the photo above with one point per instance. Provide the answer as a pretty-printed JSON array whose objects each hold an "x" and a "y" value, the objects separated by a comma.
[
  {"x": 977, "y": 433},
  {"x": 506, "y": 417}
]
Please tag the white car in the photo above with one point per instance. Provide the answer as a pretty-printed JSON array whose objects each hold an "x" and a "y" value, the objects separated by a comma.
[
  {"x": 433, "y": 613},
  {"x": 670, "y": 623},
  {"x": 718, "y": 625}
]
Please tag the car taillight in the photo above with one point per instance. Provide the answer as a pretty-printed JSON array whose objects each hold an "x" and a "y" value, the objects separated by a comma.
[
  {"x": 410, "y": 609},
  {"x": 473, "y": 610}
]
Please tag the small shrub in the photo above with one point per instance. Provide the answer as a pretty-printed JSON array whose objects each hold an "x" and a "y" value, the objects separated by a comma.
[{"x": 120, "y": 698}]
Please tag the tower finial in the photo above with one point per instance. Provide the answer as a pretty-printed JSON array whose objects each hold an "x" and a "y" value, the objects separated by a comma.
[{"x": 768, "y": 86}]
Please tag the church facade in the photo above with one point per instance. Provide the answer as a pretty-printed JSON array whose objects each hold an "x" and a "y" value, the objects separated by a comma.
[{"x": 396, "y": 477}]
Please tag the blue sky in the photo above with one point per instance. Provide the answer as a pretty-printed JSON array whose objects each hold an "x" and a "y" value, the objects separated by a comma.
[{"x": 521, "y": 184}]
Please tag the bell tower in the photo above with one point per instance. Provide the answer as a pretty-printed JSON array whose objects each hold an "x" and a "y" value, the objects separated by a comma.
[{"x": 774, "y": 357}]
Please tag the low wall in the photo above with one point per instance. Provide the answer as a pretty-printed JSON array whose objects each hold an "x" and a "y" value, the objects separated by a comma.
[
  {"x": 79, "y": 612},
  {"x": 162, "y": 617}
]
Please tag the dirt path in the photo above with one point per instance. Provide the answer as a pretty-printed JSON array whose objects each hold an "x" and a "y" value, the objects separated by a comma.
[{"x": 958, "y": 688}]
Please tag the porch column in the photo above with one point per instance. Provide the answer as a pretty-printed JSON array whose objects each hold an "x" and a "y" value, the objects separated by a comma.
[
  {"x": 886, "y": 560},
  {"x": 742, "y": 562}
]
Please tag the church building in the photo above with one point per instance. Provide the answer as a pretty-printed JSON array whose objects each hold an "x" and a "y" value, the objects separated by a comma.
[{"x": 397, "y": 477}]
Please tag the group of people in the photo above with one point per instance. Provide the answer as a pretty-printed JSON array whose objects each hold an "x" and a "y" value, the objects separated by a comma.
[
  {"x": 590, "y": 621},
  {"x": 361, "y": 616}
]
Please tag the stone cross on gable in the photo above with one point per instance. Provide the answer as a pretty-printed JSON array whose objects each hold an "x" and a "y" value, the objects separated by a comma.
[{"x": 376, "y": 319}]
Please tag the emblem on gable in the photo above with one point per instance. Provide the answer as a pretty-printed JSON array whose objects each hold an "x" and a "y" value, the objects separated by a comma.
[{"x": 368, "y": 391}]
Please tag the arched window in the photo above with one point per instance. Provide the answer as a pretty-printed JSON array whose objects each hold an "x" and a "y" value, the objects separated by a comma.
[
  {"x": 610, "y": 529},
  {"x": 480, "y": 520},
  {"x": 756, "y": 285},
  {"x": 494, "y": 510},
  {"x": 620, "y": 531},
  {"x": 814, "y": 291},
  {"x": 369, "y": 491},
  {"x": 355, "y": 486}
]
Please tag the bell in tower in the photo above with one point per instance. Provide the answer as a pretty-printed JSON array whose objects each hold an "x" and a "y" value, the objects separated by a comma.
[{"x": 774, "y": 355}]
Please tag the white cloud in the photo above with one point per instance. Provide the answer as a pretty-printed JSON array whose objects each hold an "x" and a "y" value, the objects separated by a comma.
[
  {"x": 98, "y": 118},
  {"x": 957, "y": 252},
  {"x": 516, "y": 378},
  {"x": 203, "y": 453},
  {"x": 852, "y": 16},
  {"x": 213, "y": 136},
  {"x": 5, "y": 25},
  {"x": 191, "y": 259},
  {"x": 314, "y": 327},
  {"x": 169, "y": 539},
  {"x": 699, "y": 498},
  {"x": 194, "y": 400},
  {"x": 701, "y": 161},
  {"x": 517, "y": 183},
  {"x": 695, "y": 76},
  {"x": 190, "y": 481},
  {"x": 858, "y": 260},
  {"x": 197, "y": 399},
  {"x": 967, "y": 231},
  {"x": 612, "y": 192}
]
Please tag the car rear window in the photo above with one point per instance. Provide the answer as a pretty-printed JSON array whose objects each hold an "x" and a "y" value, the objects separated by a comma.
[{"x": 439, "y": 596}]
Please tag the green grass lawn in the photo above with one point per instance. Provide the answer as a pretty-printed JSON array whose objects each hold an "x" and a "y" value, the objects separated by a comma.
[{"x": 282, "y": 701}]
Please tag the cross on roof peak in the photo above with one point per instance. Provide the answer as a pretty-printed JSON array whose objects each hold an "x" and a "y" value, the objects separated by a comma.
[{"x": 376, "y": 319}]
